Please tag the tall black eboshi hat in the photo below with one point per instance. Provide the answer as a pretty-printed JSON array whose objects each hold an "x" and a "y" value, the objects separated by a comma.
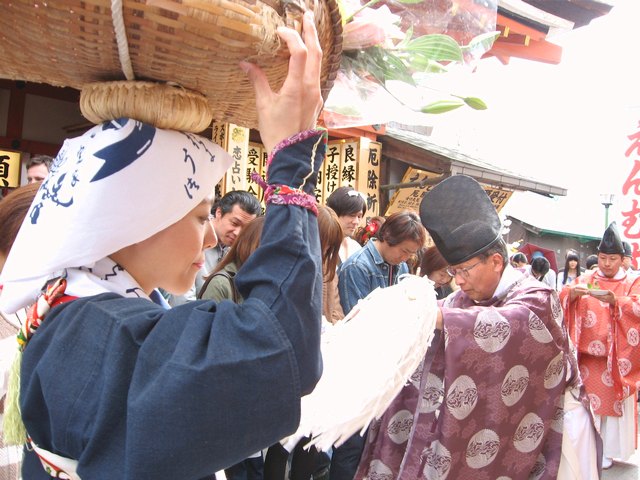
[
  {"x": 611, "y": 241},
  {"x": 460, "y": 218},
  {"x": 627, "y": 249}
]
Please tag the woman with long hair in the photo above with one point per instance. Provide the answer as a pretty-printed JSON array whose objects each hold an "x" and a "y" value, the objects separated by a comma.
[
  {"x": 331, "y": 235},
  {"x": 571, "y": 270},
  {"x": 13, "y": 209},
  {"x": 220, "y": 284}
]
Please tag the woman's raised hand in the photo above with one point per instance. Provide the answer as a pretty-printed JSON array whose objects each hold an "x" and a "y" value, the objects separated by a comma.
[{"x": 295, "y": 108}]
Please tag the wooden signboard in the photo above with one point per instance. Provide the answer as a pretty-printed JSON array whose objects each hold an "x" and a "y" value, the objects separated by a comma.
[
  {"x": 368, "y": 174},
  {"x": 331, "y": 168},
  {"x": 254, "y": 164},
  {"x": 409, "y": 198},
  {"x": 235, "y": 140},
  {"x": 9, "y": 169},
  {"x": 354, "y": 162},
  {"x": 351, "y": 162}
]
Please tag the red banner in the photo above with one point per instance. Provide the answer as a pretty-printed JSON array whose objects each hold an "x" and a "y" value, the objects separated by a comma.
[{"x": 629, "y": 207}]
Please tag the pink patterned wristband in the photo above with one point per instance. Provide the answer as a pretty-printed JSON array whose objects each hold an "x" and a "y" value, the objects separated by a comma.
[{"x": 285, "y": 195}]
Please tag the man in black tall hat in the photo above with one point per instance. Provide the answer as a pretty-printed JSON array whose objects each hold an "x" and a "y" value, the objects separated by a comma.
[
  {"x": 602, "y": 313},
  {"x": 490, "y": 397}
]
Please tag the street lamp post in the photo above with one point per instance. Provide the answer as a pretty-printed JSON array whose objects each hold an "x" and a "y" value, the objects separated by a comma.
[{"x": 607, "y": 200}]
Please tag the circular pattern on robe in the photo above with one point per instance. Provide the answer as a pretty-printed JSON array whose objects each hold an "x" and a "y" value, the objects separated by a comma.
[
  {"x": 399, "y": 426},
  {"x": 529, "y": 433},
  {"x": 437, "y": 461},
  {"x": 416, "y": 377},
  {"x": 538, "y": 329},
  {"x": 596, "y": 347},
  {"x": 514, "y": 385},
  {"x": 633, "y": 337},
  {"x": 379, "y": 471},
  {"x": 590, "y": 319},
  {"x": 432, "y": 395},
  {"x": 617, "y": 407},
  {"x": 482, "y": 448},
  {"x": 624, "y": 366},
  {"x": 584, "y": 372},
  {"x": 595, "y": 401},
  {"x": 554, "y": 373},
  {"x": 491, "y": 331},
  {"x": 606, "y": 378},
  {"x": 538, "y": 468},
  {"x": 557, "y": 421},
  {"x": 462, "y": 397}
]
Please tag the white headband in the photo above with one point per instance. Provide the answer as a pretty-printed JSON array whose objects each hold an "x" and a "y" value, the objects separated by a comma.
[{"x": 118, "y": 184}]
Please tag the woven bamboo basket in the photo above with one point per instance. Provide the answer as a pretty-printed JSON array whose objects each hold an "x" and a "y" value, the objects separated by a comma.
[{"x": 196, "y": 44}]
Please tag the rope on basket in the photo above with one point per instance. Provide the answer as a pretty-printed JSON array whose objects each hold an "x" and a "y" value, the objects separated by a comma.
[{"x": 121, "y": 39}]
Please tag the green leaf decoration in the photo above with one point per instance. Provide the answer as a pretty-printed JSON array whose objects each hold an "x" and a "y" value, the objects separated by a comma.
[
  {"x": 442, "y": 106},
  {"x": 475, "y": 103},
  {"x": 431, "y": 53},
  {"x": 405, "y": 41},
  {"x": 484, "y": 42},
  {"x": 436, "y": 46},
  {"x": 420, "y": 64},
  {"x": 381, "y": 64}
]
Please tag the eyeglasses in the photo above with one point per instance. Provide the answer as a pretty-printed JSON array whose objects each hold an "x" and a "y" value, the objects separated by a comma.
[{"x": 463, "y": 272}]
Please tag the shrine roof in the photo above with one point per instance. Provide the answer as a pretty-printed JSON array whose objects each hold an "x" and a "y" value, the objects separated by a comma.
[{"x": 418, "y": 150}]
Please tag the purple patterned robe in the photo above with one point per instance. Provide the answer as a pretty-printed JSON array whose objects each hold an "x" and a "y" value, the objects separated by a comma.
[{"x": 488, "y": 402}]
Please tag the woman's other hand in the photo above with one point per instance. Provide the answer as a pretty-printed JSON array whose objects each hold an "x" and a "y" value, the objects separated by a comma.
[{"x": 295, "y": 108}]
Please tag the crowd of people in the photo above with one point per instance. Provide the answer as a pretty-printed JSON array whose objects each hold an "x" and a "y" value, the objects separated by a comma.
[{"x": 172, "y": 335}]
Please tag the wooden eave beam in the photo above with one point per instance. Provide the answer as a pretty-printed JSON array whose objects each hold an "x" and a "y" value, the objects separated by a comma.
[
  {"x": 41, "y": 89},
  {"x": 31, "y": 146},
  {"x": 537, "y": 51},
  {"x": 516, "y": 39},
  {"x": 368, "y": 132},
  {"x": 405, "y": 152},
  {"x": 517, "y": 27}
]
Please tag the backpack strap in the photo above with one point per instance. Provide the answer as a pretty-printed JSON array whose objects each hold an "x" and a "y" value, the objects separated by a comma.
[{"x": 222, "y": 273}]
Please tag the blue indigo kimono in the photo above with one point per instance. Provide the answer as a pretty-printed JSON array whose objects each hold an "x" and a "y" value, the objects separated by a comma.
[{"x": 133, "y": 391}]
